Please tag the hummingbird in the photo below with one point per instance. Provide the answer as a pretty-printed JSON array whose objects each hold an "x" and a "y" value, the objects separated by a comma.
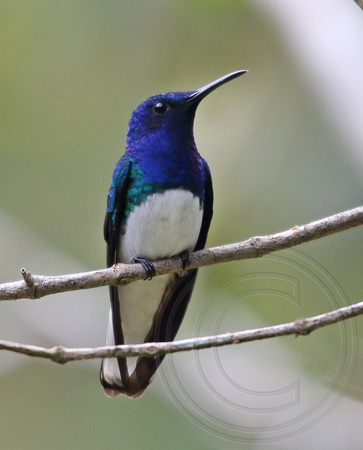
[{"x": 159, "y": 205}]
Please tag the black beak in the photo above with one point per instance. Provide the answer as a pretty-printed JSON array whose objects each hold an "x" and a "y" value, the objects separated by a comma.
[{"x": 199, "y": 94}]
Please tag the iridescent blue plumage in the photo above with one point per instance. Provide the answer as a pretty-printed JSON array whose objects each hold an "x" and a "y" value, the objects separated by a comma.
[
  {"x": 164, "y": 147},
  {"x": 160, "y": 204}
]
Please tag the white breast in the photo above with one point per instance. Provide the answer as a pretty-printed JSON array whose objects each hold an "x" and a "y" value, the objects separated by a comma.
[{"x": 162, "y": 226}]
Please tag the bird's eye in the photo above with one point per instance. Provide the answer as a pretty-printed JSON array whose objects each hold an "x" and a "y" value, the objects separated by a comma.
[{"x": 160, "y": 108}]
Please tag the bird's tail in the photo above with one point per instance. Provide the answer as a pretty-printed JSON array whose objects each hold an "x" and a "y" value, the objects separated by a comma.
[
  {"x": 133, "y": 386},
  {"x": 115, "y": 376}
]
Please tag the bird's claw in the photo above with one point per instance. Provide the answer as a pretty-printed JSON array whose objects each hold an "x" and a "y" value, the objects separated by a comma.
[
  {"x": 147, "y": 265},
  {"x": 185, "y": 259}
]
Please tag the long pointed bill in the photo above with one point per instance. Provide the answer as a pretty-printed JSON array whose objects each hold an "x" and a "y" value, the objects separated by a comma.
[{"x": 198, "y": 95}]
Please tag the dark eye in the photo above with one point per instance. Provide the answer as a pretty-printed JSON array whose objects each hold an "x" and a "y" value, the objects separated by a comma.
[{"x": 160, "y": 108}]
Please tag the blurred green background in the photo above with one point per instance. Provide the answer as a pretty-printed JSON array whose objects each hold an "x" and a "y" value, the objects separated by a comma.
[{"x": 72, "y": 72}]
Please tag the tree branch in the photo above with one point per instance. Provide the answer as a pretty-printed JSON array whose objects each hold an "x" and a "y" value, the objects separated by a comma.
[
  {"x": 36, "y": 286},
  {"x": 305, "y": 326}
]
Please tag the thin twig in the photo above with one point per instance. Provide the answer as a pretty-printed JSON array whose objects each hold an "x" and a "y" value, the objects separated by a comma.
[
  {"x": 126, "y": 273},
  {"x": 305, "y": 326},
  {"x": 28, "y": 278}
]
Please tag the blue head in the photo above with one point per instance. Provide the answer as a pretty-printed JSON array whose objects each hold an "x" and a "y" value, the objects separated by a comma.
[
  {"x": 166, "y": 120},
  {"x": 160, "y": 133}
]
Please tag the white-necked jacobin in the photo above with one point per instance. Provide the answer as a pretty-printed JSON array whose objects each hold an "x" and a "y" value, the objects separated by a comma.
[{"x": 160, "y": 204}]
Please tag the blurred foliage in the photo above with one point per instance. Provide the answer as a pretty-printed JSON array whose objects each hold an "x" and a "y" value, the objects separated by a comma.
[{"x": 72, "y": 72}]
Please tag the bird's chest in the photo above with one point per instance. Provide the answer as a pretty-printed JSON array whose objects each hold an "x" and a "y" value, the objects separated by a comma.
[{"x": 163, "y": 225}]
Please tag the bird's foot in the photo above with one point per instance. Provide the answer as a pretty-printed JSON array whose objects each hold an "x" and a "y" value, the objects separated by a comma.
[
  {"x": 147, "y": 265},
  {"x": 185, "y": 259}
]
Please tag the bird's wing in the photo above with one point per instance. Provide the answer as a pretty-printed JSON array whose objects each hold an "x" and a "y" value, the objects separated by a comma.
[
  {"x": 171, "y": 311},
  {"x": 207, "y": 208},
  {"x": 116, "y": 203}
]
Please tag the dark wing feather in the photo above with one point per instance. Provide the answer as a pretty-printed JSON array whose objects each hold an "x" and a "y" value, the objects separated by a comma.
[
  {"x": 207, "y": 208},
  {"x": 116, "y": 203},
  {"x": 173, "y": 306}
]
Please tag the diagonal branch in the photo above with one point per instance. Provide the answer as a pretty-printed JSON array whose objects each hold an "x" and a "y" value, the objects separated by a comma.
[
  {"x": 305, "y": 326},
  {"x": 36, "y": 286}
]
